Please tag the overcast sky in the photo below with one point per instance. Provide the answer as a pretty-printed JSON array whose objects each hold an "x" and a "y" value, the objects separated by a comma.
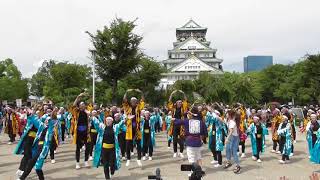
[{"x": 34, "y": 30}]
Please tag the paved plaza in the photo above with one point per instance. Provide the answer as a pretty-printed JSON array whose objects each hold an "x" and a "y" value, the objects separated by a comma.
[{"x": 299, "y": 167}]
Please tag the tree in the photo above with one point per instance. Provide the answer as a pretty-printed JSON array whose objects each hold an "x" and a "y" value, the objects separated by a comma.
[
  {"x": 187, "y": 86},
  {"x": 38, "y": 80},
  {"x": 146, "y": 77},
  {"x": 270, "y": 79},
  {"x": 12, "y": 85},
  {"x": 60, "y": 82},
  {"x": 312, "y": 72},
  {"x": 246, "y": 89},
  {"x": 67, "y": 81},
  {"x": 289, "y": 88},
  {"x": 214, "y": 87},
  {"x": 229, "y": 88},
  {"x": 102, "y": 92},
  {"x": 302, "y": 82},
  {"x": 115, "y": 52}
]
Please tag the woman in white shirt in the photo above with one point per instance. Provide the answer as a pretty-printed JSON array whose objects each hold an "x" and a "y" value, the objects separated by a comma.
[{"x": 232, "y": 140}]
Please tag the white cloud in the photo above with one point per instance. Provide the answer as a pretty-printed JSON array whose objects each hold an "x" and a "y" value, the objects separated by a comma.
[{"x": 34, "y": 30}]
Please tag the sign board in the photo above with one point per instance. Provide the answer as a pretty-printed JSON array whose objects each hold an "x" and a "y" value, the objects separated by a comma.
[
  {"x": 298, "y": 112},
  {"x": 19, "y": 103}
]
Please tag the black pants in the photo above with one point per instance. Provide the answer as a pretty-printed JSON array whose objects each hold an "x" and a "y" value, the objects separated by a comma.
[
  {"x": 129, "y": 147},
  {"x": 53, "y": 147},
  {"x": 63, "y": 130},
  {"x": 108, "y": 159},
  {"x": 204, "y": 139},
  {"x": 259, "y": 147},
  {"x": 31, "y": 164},
  {"x": 285, "y": 157},
  {"x": 275, "y": 144},
  {"x": 93, "y": 137},
  {"x": 147, "y": 145},
  {"x": 243, "y": 146},
  {"x": 176, "y": 141},
  {"x": 282, "y": 141},
  {"x": 213, "y": 145},
  {"x": 169, "y": 143},
  {"x": 122, "y": 143},
  {"x": 82, "y": 140},
  {"x": 27, "y": 152},
  {"x": 218, "y": 157},
  {"x": 294, "y": 132},
  {"x": 216, "y": 154},
  {"x": 313, "y": 139},
  {"x": 10, "y": 133},
  {"x": 133, "y": 145}
]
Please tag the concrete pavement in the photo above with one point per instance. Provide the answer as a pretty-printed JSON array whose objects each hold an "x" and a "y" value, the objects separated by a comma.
[{"x": 299, "y": 167}]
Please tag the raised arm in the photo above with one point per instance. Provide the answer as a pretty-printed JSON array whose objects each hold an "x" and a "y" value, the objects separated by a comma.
[
  {"x": 282, "y": 131},
  {"x": 213, "y": 114},
  {"x": 184, "y": 95},
  {"x": 142, "y": 95},
  {"x": 54, "y": 113},
  {"x": 125, "y": 99},
  {"x": 250, "y": 128},
  {"x": 219, "y": 106},
  {"x": 76, "y": 101},
  {"x": 118, "y": 126},
  {"x": 95, "y": 122},
  {"x": 170, "y": 98}
]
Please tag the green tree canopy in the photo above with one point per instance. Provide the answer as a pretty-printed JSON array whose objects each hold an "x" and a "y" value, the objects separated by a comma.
[
  {"x": 116, "y": 52},
  {"x": 38, "y": 80},
  {"x": 60, "y": 81},
  {"x": 12, "y": 85}
]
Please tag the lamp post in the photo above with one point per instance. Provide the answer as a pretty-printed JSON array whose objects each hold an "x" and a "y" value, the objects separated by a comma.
[
  {"x": 93, "y": 57},
  {"x": 93, "y": 76}
]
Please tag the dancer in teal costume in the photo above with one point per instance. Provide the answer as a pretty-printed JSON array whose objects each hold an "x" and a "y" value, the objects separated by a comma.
[
  {"x": 257, "y": 132},
  {"x": 42, "y": 143},
  {"x": 285, "y": 131},
  {"x": 26, "y": 144},
  {"x": 148, "y": 134},
  {"x": 215, "y": 134},
  {"x": 168, "y": 122},
  {"x": 313, "y": 139},
  {"x": 103, "y": 145}
]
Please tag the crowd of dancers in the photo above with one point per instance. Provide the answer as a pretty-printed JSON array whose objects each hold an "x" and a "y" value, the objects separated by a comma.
[{"x": 109, "y": 136}]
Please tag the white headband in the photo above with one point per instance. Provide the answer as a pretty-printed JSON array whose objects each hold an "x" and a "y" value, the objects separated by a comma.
[
  {"x": 109, "y": 118},
  {"x": 313, "y": 115},
  {"x": 217, "y": 112}
]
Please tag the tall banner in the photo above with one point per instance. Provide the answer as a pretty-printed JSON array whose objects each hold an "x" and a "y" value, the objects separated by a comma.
[
  {"x": 298, "y": 112},
  {"x": 19, "y": 103}
]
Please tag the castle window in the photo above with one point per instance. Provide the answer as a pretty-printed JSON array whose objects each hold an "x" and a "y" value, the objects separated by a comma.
[{"x": 192, "y": 47}]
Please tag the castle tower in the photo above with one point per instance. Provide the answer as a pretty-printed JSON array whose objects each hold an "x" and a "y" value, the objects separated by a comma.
[{"x": 191, "y": 54}]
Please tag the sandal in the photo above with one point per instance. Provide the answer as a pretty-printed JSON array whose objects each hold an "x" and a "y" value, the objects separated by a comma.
[
  {"x": 237, "y": 169},
  {"x": 228, "y": 164}
]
